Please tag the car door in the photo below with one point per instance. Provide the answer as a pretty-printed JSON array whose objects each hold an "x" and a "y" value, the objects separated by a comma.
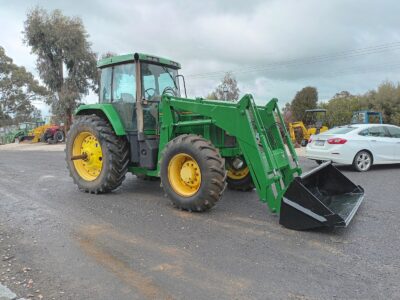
[
  {"x": 381, "y": 144},
  {"x": 394, "y": 133}
]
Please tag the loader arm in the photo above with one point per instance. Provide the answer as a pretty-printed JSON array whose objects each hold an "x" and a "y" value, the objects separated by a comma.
[{"x": 258, "y": 135}]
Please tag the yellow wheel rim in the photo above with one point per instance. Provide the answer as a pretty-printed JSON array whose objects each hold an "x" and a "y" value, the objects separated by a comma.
[
  {"x": 237, "y": 174},
  {"x": 184, "y": 175},
  {"x": 86, "y": 144}
]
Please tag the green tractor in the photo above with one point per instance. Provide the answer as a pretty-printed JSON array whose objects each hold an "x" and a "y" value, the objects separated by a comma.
[{"x": 197, "y": 147}]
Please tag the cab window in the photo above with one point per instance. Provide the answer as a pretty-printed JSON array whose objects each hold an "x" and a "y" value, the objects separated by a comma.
[
  {"x": 156, "y": 78},
  {"x": 118, "y": 84},
  {"x": 105, "y": 85},
  {"x": 124, "y": 83}
]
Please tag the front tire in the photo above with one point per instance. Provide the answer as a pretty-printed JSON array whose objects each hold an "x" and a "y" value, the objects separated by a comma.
[
  {"x": 192, "y": 173},
  {"x": 362, "y": 161},
  {"x": 97, "y": 159}
]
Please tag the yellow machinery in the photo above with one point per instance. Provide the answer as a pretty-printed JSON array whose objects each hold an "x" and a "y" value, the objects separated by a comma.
[
  {"x": 313, "y": 124},
  {"x": 37, "y": 132}
]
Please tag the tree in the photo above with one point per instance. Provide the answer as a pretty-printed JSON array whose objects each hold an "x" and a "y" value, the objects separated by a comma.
[
  {"x": 386, "y": 99},
  {"x": 18, "y": 89},
  {"x": 65, "y": 61},
  {"x": 341, "y": 107},
  {"x": 307, "y": 98},
  {"x": 287, "y": 114},
  {"x": 108, "y": 54},
  {"x": 226, "y": 90}
]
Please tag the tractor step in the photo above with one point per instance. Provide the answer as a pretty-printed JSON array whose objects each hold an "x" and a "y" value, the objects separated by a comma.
[{"x": 323, "y": 197}]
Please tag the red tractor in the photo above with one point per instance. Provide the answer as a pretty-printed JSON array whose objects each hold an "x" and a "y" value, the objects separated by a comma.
[{"x": 54, "y": 134}]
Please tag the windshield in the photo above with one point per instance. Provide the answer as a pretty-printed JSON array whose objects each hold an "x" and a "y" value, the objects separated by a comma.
[
  {"x": 340, "y": 130},
  {"x": 158, "y": 79}
]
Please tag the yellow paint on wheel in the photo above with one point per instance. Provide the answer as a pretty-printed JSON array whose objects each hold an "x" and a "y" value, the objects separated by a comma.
[
  {"x": 184, "y": 175},
  {"x": 237, "y": 174},
  {"x": 86, "y": 143}
]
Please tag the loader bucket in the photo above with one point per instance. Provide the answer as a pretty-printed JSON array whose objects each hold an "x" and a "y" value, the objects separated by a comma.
[{"x": 323, "y": 197}]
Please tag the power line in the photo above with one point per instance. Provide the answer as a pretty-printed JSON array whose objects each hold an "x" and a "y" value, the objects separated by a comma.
[
  {"x": 304, "y": 61},
  {"x": 313, "y": 59}
]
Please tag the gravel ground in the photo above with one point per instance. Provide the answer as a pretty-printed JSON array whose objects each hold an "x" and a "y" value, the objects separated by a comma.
[{"x": 59, "y": 243}]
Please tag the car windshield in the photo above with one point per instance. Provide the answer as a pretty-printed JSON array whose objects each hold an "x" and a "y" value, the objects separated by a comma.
[{"x": 340, "y": 130}]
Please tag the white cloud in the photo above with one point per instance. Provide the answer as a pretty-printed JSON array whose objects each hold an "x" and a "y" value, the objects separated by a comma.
[{"x": 208, "y": 36}]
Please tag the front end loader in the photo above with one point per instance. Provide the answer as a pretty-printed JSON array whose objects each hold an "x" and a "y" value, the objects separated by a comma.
[{"x": 198, "y": 147}]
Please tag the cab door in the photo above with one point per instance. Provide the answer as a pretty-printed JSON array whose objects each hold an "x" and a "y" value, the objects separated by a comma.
[{"x": 124, "y": 94}]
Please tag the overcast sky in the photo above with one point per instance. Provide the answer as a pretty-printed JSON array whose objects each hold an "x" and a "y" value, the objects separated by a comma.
[{"x": 273, "y": 47}]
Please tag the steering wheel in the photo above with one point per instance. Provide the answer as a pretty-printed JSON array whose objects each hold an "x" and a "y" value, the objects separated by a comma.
[
  {"x": 146, "y": 91},
  {"x": 170, "y": 90}
]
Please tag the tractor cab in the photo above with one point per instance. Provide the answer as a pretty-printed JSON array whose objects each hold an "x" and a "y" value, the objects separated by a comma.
[
  {"x": 134, "y": 85},
  {"x": 315, "y": 118}
]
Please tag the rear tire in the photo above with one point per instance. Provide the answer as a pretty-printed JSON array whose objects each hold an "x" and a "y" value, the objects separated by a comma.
[
  {"x": 59, "y": 136},
  {"x": 192, "y": 173},
  {"x": 43, "y": 138},
  {"x": 362, "y": 161},
  {"x": 239, "y": 179},
  {"x": 111, "y": 154}
]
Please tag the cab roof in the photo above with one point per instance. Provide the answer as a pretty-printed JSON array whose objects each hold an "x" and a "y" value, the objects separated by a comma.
[{"x": 117, "y": 59}]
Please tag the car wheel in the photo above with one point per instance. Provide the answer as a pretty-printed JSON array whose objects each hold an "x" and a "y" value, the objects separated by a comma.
[{"x": 362, "y": 161}]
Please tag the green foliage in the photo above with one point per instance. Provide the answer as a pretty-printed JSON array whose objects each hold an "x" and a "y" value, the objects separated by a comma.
[
  {"x": 341, "y": 107},
  {"x": 307, "y": 98},
  {"x": 226, "y": 90},
  {"x": 385, "y": 99},
  {"x": 287, "y": 114},
  {"x": 17, "y": 89},
  {"x": 108, "y": 54},
  {"x": 65, "y": 61}
]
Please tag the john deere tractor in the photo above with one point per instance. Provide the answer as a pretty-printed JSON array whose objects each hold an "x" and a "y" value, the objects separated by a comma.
[{"x": 197, "y": 147}]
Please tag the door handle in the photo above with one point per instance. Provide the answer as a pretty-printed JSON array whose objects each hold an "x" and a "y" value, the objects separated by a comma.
[{"x": 373, "y": 140}]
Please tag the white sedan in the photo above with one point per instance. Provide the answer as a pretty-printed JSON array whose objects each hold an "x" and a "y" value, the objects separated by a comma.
[{"x": 360, "y": 145}]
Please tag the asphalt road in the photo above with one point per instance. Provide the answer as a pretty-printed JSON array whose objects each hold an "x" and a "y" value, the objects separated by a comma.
[{"x": 57, "y": 242}]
